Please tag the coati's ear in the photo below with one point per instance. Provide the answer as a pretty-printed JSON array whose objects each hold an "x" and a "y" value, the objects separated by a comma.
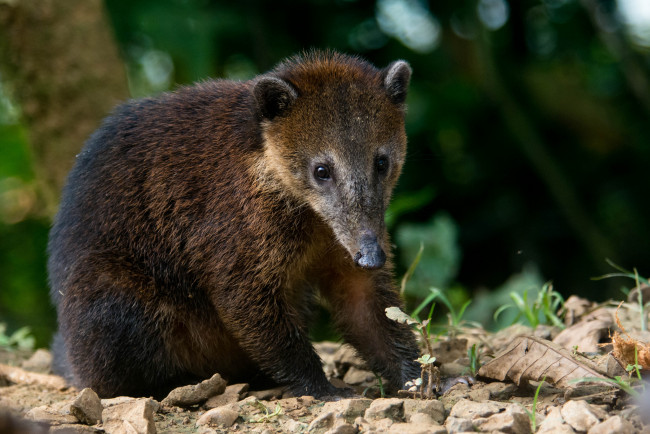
[
  {"x": 396, "y": 80},
  {"x": 274, "y": 96}
]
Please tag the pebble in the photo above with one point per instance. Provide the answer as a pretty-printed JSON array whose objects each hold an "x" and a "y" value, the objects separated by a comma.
[
  {"x": 197, "y": 393},
  {"x": 87, "y": 407},
  {"x": 390, "y": 408},
  {"x": 221, "y": 416},
  {"x": 578, "y": 414},
  {"x": 613, "y": 425},
  {"x": 132, "y": 417}
]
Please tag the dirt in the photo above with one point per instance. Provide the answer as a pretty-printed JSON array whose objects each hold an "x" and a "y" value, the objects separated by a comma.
[{"x": 480, "y": 403}]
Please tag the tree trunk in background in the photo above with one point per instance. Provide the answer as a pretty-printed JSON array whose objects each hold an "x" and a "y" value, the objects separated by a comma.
[{"x": 61, "y": 65}]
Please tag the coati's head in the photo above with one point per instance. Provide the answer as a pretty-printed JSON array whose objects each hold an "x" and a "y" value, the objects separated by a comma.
[{"x": 334, "y": 138}]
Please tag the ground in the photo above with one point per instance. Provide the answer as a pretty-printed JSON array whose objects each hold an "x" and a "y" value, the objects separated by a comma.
[{"x": 503, "y": 396}]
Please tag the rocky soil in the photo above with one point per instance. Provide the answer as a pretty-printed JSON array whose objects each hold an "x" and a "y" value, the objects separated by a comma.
[{"x": 500, "y": 398}]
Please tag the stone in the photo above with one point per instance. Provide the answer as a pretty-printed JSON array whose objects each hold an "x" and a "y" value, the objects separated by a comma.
[
  {"x": 466, "y": 409},
  {"x": 457, "y": 424},
  {"x": 219, "y": 417},
  {"x": 197, "y": 393},
  {"x": 414, "y": 428},
  {"x": 291, "y": 425},
  {"x": 391, "y": 408},
  {"x": 513, "y": 420},
  {"x": 322, "y": 423},
  {"x": 349, "y": 409},
  {"x": 578, "y": 414},
  {"x": 232, "y": 394},
  {"x": 87, "y": 407},
  {"x": 432, "y": 408},
  {"x": 501, "y": 391},
  {"x": 554, "y": 422},
  {"x": 49, "y": 414},
  {"x": 268, "y": 394},
  {"x": 40, "y": 361},
  {"x": 613, "y": 425},
  {"x": 131, "y": 417},
  {"x": 355, "y": 376}
]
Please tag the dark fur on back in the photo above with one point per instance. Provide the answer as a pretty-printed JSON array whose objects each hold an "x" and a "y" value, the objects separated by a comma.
[{"x": 187, "y": 243}]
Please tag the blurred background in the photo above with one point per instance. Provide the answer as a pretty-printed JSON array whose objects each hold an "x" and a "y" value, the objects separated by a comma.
[{"x": 528, "y": 125}]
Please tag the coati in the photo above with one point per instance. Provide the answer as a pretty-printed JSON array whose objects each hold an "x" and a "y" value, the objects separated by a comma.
[{"x": 196, "y": 227}]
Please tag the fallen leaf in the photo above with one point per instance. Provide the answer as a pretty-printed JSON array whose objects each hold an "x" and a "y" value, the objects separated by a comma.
[
  {"x": 532, "y": 359},
  {"x": 587, "y": 333},
  {"x": 630, "y": 351}
]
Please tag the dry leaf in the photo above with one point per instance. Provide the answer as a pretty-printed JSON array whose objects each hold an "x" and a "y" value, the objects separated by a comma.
[
  {"x": 586, "y": 334},
  {"x": 532, "y": 359},
  {"x": 624, "y": 349}
]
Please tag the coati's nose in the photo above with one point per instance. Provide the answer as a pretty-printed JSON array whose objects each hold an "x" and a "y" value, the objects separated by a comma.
[{"x": 370, "y": 254}]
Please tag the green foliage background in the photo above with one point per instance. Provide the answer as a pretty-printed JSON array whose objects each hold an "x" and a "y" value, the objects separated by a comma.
[{"x": 528, "y": 131}]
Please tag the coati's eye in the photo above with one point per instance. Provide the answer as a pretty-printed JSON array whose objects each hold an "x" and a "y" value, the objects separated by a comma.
[
  {"x": 382, "y": 164},
  {"x": 322, "y": 173}
]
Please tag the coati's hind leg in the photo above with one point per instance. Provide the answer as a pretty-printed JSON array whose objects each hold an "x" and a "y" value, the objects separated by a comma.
[
  {"x": 111, "y": 326},
  {"x": 358, "y": 299}
]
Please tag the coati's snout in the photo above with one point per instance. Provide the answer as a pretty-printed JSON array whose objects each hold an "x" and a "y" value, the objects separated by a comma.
[{"x": 370, "y": 254}]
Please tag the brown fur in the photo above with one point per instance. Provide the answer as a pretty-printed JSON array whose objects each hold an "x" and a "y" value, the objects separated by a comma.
[{"x": 193, "y": 232}]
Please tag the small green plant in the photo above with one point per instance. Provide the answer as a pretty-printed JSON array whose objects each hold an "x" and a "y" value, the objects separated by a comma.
[
  {"x": 532, "y": 413},
  {"x": 474, "y": 362},
  {"x": 267, "y": 415},
  {"x": 642, "y": 306},
  {"x": 622, "y": 383},
  {"x": 21, "y": 339},
  {"x": 380, "y": 385},
  {"x": 545, "y": 306},
  {"x": 426, "y": 360},
  {"x": 454, "y": 316}
]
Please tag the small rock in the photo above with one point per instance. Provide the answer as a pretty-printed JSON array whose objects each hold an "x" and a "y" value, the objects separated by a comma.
[
  {"x": 349, "y": 409},
  {"x": 197, "y": 393},
  {"x": 432, "y": 408},
  {"x": 455, "y": 394},
  {"x": 232, "y": 394},
  {"x": 501, "y": 391},
  {"x": 391, "y": 408},
  {"x": 554, "y": 423},
  {"x": 40, "y": 361},
  {"x": 578, "y": 414},
  {"x": 421, "y": 419},
  {"x": 322, "y": 423},
  {"x": 513, "y": 420},
  {"x": 355, "y": 376},
  {"x": 342, "y": 428},
  {"x": 457, "y": 424},
  {"x": 266, "y": 395},
  {"x": 613, "y": 425},
  {"x": 416, "y": 428},
  {"x": 466, "y": 409},
  {"x": 87, "y": 407},
  {"x": 132, "y": 417},
  {"x": 48, "y": 414},
  {"x": 109, "y": 402},
  {"x": 384, "y": 424},
  {"x": 291, "y": 425},
  {"x": 221, "y": 416},
  {"x": 453, "y": 369},
  {"x": 448, "y": 351}
]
